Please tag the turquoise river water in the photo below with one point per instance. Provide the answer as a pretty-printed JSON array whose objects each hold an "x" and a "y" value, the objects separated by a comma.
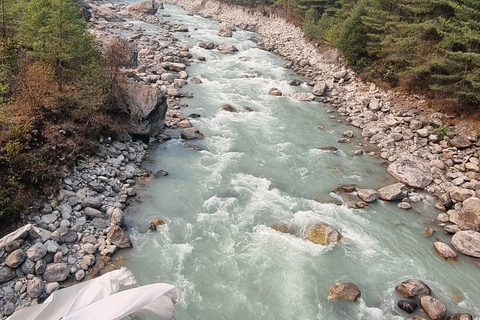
[{"x": 263, "y": 167}]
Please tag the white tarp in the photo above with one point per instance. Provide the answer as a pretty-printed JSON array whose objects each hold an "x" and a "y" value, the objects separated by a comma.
[{"x": 98, "y": 299}]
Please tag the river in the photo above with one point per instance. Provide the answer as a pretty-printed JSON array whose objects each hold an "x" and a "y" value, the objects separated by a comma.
[{"x": 264, "y": 167}]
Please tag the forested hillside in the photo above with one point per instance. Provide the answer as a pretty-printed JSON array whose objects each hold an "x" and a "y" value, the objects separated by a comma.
[
  {"x": 54, "y": 97},
  {"x": 427, "y": 45}
]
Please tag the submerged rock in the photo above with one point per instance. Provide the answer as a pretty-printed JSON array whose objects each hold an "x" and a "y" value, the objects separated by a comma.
[
  {"x": 281, "y": 227},
  {"x": 323, "y": 234},
  {"x": 227, "y": 48},
  {"x": 229, "y": 108},
  {"x": 344, "y": 291}
]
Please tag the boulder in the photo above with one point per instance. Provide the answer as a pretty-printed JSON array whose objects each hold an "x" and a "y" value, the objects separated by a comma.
[
  {"x": 411, "y": 171},
  {"x": 320, "y": 88},
  {"x": 35, "y": 288},
  {"x": 92, "y": 202},
  {"x": 6, "y": 274},
  {"x": 105, "y": 12},
  {"x": 36, "y": 252},
  {"x": 149, "y": 7},
  {"x": 227, "y": 48},
  {"x": 395, "y": 191},
  {"x": 461, "y": 141},
  {"x": 444, "y": 251},
  {"x": 304, "y": 96},
  {"x": 469, "y": 215},
  {"x": 177, "y": 67},
  {"x": 412, "y": 287},
  {"x": 56, "y": 272},
  {"x": 15, "y": 258},
  {"x": 467, "y": 242},
  {"x": 323, "y": 234},
  {"x": 461, "y": 194},
  {"x": 407, "y": 306},
  {"x": 229, "y": 108},
  {"x": 225, "y": 30},
  {"x": 206, "y": 45},
  {"x": 368, "y": 195},
  {"x": 344, "y": 291},
  {"x": 434, "y": 308},
  {"x": 118, "y": 237},
  {"x": 191, "y": 133},
  {"x": 146, "y": 107},
  {"x": 118, "y": 217}
]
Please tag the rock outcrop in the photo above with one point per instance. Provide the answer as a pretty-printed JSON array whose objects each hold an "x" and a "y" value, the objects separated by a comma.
[{"x": 149, "y": 7}]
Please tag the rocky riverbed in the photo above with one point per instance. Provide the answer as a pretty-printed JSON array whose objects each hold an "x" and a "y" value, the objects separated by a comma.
[{"x": 76, "y": 232}]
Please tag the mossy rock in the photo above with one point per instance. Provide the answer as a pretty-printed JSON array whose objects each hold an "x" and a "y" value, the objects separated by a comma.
[{"x": 323, "y": 234}]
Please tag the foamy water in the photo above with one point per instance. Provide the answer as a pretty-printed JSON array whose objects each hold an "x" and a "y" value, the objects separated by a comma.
[{"x": 262, "y": 168}]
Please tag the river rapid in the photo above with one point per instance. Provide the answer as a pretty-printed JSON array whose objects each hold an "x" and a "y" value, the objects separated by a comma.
[{"x": 263, "y": 167}]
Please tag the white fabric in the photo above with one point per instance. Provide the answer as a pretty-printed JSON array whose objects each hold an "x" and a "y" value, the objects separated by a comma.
[{"x": 97, "y": 299}]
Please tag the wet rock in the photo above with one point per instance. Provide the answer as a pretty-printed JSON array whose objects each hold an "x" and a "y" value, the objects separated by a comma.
[
  {"x": 195, "y": 81},
  {"x": 460, "y": 316},
  {"x": 6, "y": 274},
  {"x": 274, "y": 92},
  {"x": 323, "y": 234},
  {"x": 444, "y": 251},
  {"x": 15, "y": 258},
  {"x": 469, "y": 215},
  {"x": 160, "y": 173},
  {"x": 404, "y": 206},
  {"x": 225, "y": 30},
  {"x": 118, "y": 237},
  {"x": 328, "y": 148},
  {"x": 411, "y": 171},
  {"x": 158, "y": 221},
  {"x": 206, "y": 45},
  {"x": 412, "y": 287},
  {"x": 392, "y": 192},
  {"x": 191, "y": 133},
  {"x": 229, "y": 108},
  {"x": 281, "y": 227},
  {"x": 227, "y": 48},
  {"x": 344, "y": 291},
  {"x": 36, "y": 252},
  {"x": 467, "y": 242},
  {"x": 294, "y": 82},
  {"x": 56, "y": 272},
  {"x": 304, "y": 96},
  {"x": 433, "y": 307},
  {"x": 35, "y": 288},
  {"x": 148, "y": 7},
  {"x": 407, "y": 306},
  {"x": 427, "y": 232}
]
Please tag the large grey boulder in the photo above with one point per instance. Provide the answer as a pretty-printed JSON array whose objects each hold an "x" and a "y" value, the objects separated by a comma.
[
  {"x": 15, "y": 258},
  {"x": 149, "y": 7},
  {"x": 146, "y": 106},
  {"x": 411, "y": 171},
  {"x": 118, "y": 237},
  {"x": 35, "y": 288},
  {"x": 36, "y": 252},
  {"x": 319, "y": 88},
  {"x": 467, "y": 242},
  {"x": 469, "y": 215},
  {"x": 434, "y": 308},
  {"x": 56, "y": 272},
  {"x": 395, "y": 191},
  {"x": 225, "y": 30},
  {"x": 104, "y": 11},
  {"x": 6, "y": 274}
]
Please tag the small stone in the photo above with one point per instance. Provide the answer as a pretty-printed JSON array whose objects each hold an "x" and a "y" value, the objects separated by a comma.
[
  {"x": 404, "y": 205},
  {"x": 323, "y": 234},
  {"x": 51, "y": 287},
  {"x": 35, "y": 288},
  {"x": 444, "y": 251},
  {"x": 460, "y": 316},
  {"x": 412, "y": 288},
  {"x": 368, "y": 195},
  {"x": 433, "y": 307},
  {"x": 56, "y": 272},
  {"x": 36, "y": 252},
  {"x": 407, "y": 306},
  {"x": 79, "y": 275},
  {"x": 6, "y": 274},
  {"x": 15, "y": 258}
]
